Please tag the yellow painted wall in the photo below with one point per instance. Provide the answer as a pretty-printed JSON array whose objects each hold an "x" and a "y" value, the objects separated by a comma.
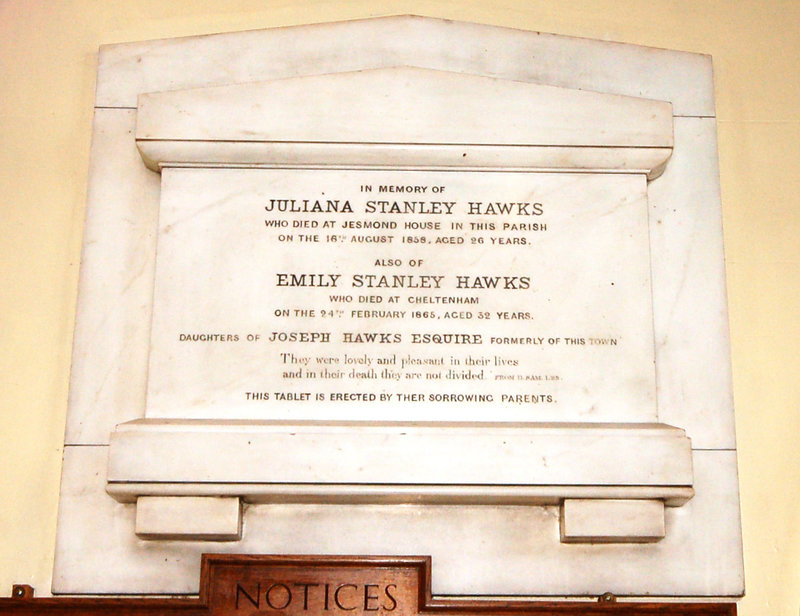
[{"x": 47, "y": 71}]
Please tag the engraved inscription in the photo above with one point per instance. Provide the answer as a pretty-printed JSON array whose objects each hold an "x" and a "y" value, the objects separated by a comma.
[
  {"x": 316, "y": 596},
  {"x": 402, "y": 295}
]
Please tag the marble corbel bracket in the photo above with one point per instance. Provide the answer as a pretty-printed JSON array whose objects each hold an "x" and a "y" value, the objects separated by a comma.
[
  {"x": 611, "y": 480},
  {"x": 407, "y": 118}
]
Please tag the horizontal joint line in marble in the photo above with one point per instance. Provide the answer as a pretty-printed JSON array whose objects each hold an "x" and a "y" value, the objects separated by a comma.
[
  {"x": 674, "y": 115},
  {"x": 368, "y": 167},
  {"x": 407, "y": 144}
]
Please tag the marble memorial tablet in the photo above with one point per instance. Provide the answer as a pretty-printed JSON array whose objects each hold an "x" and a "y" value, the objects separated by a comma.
[{"x": 403, "y": 286}]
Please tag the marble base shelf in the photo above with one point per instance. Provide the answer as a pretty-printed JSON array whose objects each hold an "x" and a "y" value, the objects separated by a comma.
[{"x": 637, "y": 468}]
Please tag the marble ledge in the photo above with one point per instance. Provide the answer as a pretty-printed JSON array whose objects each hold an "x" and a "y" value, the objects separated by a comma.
[{"x": 274, "y": 461}]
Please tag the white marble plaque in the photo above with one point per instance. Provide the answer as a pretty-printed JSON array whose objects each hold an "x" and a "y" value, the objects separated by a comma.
[
  {"x": 402, "y": 295},
  {"x": 503, "y": 343}
]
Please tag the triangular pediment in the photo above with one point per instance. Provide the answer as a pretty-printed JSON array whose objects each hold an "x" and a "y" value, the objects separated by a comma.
[{"x": 405, "y": 40}]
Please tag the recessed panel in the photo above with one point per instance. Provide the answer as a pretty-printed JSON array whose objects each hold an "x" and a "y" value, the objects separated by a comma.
[{"x": 402, "y": 295}]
